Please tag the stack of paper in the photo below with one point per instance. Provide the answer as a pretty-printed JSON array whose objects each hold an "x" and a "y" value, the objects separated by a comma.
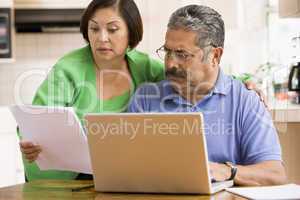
[
  {"x": 289, "y": 191},
  {"x": 59, "y": 133}
]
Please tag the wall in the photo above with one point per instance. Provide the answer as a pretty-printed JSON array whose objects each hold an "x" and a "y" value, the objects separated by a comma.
[
  {"x": 246, "y": 29},
  {"x": 11, "y": 168},
  {"x": 35, "y": 55}
]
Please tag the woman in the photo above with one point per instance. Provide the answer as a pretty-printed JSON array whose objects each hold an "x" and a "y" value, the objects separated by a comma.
[{"x": 100, "y": 77}]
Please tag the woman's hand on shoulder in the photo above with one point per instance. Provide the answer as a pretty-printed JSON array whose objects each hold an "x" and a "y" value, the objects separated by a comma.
[{"x": 250, "y": 85}]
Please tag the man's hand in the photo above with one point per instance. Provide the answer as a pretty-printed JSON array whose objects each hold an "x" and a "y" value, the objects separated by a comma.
[
  {"x": 250, "y": 85},
  {"x": 30, "y": 151},
  {"x": 260, "y": 174},
  {"x": 220, "y": 172}
]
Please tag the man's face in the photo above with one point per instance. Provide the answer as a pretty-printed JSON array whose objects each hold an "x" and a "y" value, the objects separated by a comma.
[{"x": 186, "y": 68}]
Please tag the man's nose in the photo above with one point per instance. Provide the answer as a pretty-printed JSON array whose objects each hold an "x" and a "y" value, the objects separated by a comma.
[{"x": 171, "y": 62}]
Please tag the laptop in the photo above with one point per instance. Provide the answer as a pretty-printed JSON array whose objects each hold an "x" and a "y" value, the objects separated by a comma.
[{"x": 150, "y": 153}]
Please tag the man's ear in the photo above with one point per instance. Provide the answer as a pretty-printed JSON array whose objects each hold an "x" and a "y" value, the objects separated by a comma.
[{"x": 217, "y": 53}]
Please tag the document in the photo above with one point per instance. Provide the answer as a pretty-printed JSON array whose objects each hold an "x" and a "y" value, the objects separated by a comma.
[
  {"x": 60, "y": 134},
  {"x": 289, "y": 191}
]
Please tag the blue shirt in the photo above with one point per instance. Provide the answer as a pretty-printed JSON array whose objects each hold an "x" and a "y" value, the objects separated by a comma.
[{"x": 238, "y": 127}]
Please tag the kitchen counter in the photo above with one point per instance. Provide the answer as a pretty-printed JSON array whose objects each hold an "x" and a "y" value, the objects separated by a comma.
[{"x": 284, "y": 111}]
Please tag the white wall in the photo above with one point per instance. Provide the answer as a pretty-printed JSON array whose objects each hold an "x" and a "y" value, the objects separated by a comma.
[
  {"x": 35, "y": 55},
  {"x": 156, "y": 14},
  {"x": 245, "y": 22},
  {"x": 11, "y": 168}
]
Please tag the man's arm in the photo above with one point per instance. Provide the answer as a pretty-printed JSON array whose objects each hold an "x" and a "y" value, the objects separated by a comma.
[
  {"x": 259, "y": 147},
  {"x": 263, "y": 173}
]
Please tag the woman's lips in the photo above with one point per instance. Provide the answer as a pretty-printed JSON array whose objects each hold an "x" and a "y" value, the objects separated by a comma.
[{"x": 104, "y": 49}]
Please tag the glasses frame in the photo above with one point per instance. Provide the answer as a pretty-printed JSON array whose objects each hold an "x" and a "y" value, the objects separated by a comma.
[{"x": 181, "y": 54}]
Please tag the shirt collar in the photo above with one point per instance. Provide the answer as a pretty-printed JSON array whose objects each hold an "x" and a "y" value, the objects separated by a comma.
[
  {"x": 169, "y": 94},
  {"x": 221, "y": 87}
]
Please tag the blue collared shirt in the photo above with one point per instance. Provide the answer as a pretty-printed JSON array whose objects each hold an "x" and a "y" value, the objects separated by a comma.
[{"x": 238, "y": 127}]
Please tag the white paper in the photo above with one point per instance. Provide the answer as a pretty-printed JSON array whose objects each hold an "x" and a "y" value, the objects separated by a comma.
[
  {"x": 59, "y": 133},
  {"x": 289, "y": 191}
]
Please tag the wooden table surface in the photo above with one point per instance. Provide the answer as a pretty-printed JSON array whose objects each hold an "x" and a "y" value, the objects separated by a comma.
[{"x": 69, "y": 190}]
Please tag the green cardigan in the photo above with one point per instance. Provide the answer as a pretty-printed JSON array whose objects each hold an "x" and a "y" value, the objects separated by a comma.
[{"x": 72, "y": 83}]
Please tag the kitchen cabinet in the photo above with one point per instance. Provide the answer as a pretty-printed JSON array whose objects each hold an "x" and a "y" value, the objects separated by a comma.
[
  {"x": 289, "y": 138},
  {"x": 46, "y": 4},
  {"x": 286, "y": 118},
  {"x": 6, "y": 3},
  {"x": 289, "y": 8}
]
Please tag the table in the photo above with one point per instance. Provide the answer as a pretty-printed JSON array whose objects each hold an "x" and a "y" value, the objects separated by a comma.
[{"x": 56, "y": 189}]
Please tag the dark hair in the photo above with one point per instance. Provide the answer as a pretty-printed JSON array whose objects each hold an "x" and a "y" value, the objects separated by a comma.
[{"x": 128, "y": 11}]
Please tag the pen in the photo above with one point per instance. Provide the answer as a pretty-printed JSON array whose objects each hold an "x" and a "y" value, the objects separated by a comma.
[{"x": 82, "y": 188}]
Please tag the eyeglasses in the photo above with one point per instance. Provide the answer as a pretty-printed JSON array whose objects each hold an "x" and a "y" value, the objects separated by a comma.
[{"x": 181, "y": 55}]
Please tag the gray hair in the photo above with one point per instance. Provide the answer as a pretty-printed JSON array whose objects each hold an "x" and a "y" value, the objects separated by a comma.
[{"x": 207, "y": 22}]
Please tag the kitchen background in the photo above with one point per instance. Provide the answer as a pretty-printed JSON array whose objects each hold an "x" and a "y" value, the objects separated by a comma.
[{"x": 257, "y": 42}]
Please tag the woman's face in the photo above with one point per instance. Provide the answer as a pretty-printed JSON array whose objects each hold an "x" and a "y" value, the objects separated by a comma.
[{"x": 108, "y": 34}]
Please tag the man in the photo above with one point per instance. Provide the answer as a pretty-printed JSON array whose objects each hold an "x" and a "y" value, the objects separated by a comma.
[{"x": 241, "y": 139}]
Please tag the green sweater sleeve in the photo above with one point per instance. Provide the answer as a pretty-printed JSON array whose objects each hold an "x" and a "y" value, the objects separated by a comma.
[
  {"x": 144, "y": 68},
  {"x": 158, "y": 70},
  {"x": 243, "y": 77}
]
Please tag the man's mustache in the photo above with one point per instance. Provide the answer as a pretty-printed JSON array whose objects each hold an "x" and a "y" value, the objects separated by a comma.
[{"x": 175, "y": 72}]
